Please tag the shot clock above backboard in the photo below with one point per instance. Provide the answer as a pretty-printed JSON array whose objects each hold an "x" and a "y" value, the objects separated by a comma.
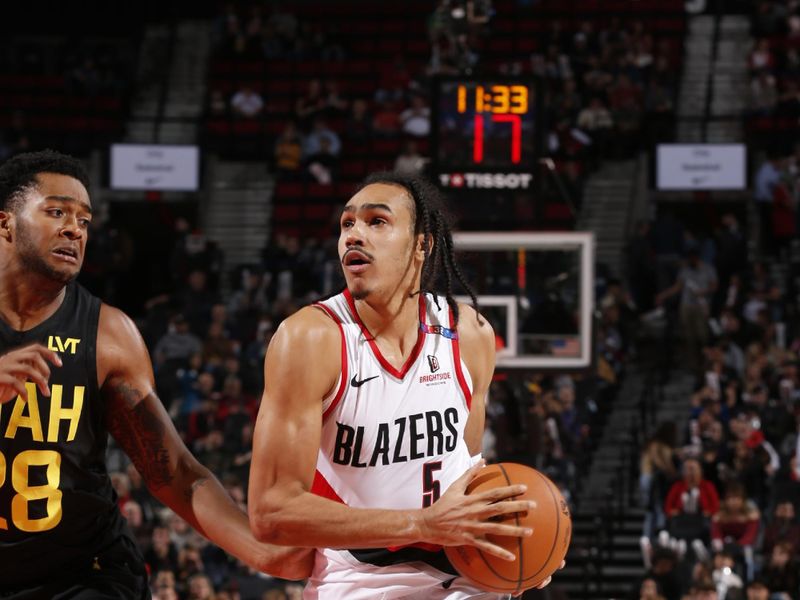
[{"x": 486, "y": 125}]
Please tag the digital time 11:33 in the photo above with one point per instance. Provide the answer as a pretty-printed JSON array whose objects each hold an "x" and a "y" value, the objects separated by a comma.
[{"x": 502, "y": 104}]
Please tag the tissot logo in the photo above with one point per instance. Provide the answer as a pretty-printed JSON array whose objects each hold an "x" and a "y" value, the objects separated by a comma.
[
  {"x": 433, "y": 363},
  {"x": 486, "y": 180}
]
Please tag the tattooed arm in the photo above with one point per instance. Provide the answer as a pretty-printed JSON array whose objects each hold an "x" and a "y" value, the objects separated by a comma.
[{"x": 138, "y": 421}]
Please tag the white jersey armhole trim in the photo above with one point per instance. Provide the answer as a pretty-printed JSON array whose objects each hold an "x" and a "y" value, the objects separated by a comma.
[{"x": 337, "y": 392}]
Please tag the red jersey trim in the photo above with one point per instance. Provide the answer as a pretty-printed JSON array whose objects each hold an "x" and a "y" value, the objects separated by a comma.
[
  {"x": 343, "y": 383},
  {"x": 322, "y": 488},
  {"x": 421, "y": 545},
  {"x": 387, "y": 366},
  {"x": 462, "y": 381}
]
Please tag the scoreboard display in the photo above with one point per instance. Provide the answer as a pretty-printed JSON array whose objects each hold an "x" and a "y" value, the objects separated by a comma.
[{"x": 485, "y": 132}]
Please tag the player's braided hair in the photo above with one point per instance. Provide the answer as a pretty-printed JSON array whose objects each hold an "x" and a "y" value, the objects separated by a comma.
[
  {"x": 431, "y": 219},
  {"x": 18, "y": 174}
]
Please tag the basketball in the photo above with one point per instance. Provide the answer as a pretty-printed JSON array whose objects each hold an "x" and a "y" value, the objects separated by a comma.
[{"x": 537, "y": 556}]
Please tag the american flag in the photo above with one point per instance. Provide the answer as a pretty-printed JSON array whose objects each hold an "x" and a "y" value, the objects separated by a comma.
[{"x": 566, "y": 347}]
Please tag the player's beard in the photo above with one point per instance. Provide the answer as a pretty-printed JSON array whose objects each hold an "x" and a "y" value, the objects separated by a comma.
[
  {"x": 32, "y": 260},
  {"x": 359, "y": 293}
]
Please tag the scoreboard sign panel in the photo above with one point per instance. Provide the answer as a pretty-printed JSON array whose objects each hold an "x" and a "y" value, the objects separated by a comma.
[{"x": 485, "y": 125}]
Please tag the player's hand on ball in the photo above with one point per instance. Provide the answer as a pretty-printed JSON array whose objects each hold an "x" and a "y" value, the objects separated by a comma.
[
  {"x": 459, "y": 519},
  {"x": 28, "y": 363}
]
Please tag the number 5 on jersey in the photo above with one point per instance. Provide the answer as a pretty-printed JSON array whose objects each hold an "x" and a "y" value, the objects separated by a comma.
[{"x": 431, "y": 488}]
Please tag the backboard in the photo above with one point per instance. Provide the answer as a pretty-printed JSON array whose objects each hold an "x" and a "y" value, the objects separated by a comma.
[{"x": 537, "y": 291}]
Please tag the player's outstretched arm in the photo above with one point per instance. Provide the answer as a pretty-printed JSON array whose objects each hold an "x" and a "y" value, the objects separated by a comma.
[
  {"x": 138, "y": 421},
  {"x": 302, "y": 366}
]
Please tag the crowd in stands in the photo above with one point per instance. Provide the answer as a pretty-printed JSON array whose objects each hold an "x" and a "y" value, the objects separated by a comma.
[
  {"x": 54, "y": 87},
  {"x": 365, "y": 87},
  {"x": 615, "y": 82},
  {"x": 774, "y": 67},
  {"x": 722, "y": 493}
]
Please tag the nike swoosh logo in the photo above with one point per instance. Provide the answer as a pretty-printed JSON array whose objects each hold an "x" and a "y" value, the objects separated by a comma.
[{"x": 356, "y": 383}]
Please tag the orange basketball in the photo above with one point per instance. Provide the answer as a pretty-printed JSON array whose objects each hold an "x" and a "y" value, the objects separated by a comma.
[{"x": 537, "y": 556}]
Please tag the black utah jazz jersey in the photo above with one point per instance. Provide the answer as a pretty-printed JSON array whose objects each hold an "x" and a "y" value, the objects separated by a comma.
[{"x": 57, "y": 507}]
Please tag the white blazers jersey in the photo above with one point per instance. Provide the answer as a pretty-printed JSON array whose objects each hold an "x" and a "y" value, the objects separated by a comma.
[{"x": 392, "y": 439}]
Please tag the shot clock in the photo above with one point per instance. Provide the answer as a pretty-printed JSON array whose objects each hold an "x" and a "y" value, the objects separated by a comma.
[{"x": 485, "y": 127}]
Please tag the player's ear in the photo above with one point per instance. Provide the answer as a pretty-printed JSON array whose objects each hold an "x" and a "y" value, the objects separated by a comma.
[
  {"x": 420, "y": 245},
  {"x": 6, "y": 219}
]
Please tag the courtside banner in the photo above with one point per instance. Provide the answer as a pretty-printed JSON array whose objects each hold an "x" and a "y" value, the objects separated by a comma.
[
  {"x": 701, "y": 167},
  {"x": 155, "y": 167}
]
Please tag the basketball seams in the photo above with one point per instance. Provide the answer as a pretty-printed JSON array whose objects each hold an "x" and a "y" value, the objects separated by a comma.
[
  {"x": 549, "y": 487},
  {"x": 465, "y": 558},
  {"x": 484, "y": 559},
  {"x": 520, "y": 546}
]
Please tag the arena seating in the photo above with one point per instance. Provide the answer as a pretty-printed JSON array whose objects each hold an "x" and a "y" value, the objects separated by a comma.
[{"x": 373, "y": 37}]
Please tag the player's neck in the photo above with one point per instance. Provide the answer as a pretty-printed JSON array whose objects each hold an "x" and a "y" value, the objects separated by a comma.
[
  {"x": 27, "y": 299},
  {"x": 394, "y": 320}
]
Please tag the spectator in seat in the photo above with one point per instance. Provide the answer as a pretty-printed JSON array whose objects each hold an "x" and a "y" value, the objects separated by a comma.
[
  {"x": 735, "y": 526},
  {"x": 162, "y": 555},
  {"x": 703, "y": 591},
  {"x": 410, "y": 160},
  {"x": 336, "y": 103},
  {"x": 416, "y": 119},
  {"x": 319, "y": 131},
  {"x": 197, "y": 301},
  {"x": 626, "y": 104},
  {"x": 358, "y": 126},
  {"x": 164, "y": 586},
  {"x": 690, "y": 503},
  {"x": 386, "y": 121},
  {"x": 15, "y": 138},
  {"x": 725, "y": 577},
  {"x": 200, "y": 587},
  {"x": 247, "y": 103},
  {"x": 763, "y": 95},
  {"x": 784, "y": 527},
  {"x": 288, "y": 152},
  {"x": 175, "y": 348},
  {"x": 761, "y": 58},
  {"x": 395, "y": 80},
  {"x": 657, "y": 473},
  {"x": 312, "y": 105},
  {"x": 782, "y": 571},
  {"x": 696, "y": 282},
  {"x": 217, "y": 106},
  {"x": 649, "y": 590},
  {"x": 85, "y": 78},
  {"x": 757, "y": 590},
  {"x": 322, "y": 164},
  {"x": 768, "y": 176},
  {"x": 756, "y": 459},
  {"x": 596, "y": 120},
  {"x": 659, "y": 105},
  {"x": 664, "y": 571},
  {"x": 568, "y": 102},
  {"x": 783, "y": 216}
]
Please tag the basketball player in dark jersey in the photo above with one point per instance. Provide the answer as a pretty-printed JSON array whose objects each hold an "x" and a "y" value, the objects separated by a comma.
[{"x": 73, "y": 370}]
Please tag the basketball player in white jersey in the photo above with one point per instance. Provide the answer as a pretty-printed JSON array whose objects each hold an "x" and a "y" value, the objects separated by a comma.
[{"x": 372, "y": 415}]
